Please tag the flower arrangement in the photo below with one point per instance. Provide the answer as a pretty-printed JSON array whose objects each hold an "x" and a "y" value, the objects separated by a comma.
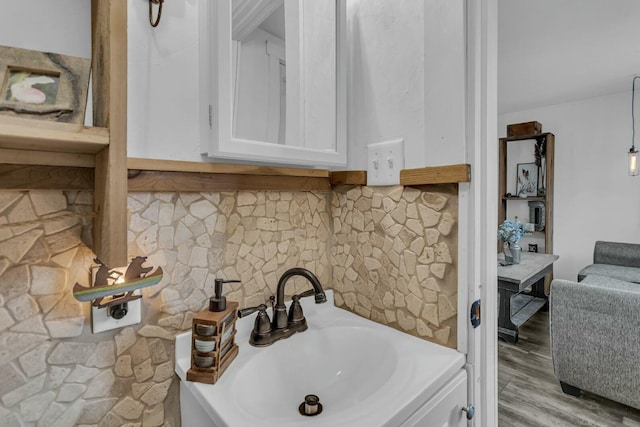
[{"x": 511, "y": 231}]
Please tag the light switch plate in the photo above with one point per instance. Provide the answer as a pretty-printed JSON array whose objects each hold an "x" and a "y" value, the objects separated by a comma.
[{"x": 384, "y": 162}]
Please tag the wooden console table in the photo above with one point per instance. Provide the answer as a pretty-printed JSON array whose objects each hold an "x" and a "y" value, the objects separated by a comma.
[{"x": 516, "y": 306}]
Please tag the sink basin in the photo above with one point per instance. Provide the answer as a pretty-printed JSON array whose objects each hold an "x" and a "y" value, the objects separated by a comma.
[
  {"x": 326, "y": 362},
  {"x": 364, "y": 373}
]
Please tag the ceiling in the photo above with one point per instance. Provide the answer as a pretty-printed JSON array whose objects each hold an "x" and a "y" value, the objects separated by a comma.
[{"x": 556, "y": 51}]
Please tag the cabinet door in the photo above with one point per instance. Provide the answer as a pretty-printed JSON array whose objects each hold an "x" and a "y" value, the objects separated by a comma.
[
  {"x": 445, "y": 408},
  {"x": 273, "y": 75}
]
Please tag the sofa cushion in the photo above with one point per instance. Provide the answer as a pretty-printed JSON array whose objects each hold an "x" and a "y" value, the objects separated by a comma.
[
  {"x": 610, "y": 283},
  {"x": 627, "y": 274}
]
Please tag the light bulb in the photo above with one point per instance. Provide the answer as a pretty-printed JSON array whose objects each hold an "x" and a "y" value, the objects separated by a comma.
[{"x": 633, "y": 162}]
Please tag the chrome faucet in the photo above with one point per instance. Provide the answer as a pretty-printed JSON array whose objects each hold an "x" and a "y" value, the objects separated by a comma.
[{"x": 283, "y": 326}]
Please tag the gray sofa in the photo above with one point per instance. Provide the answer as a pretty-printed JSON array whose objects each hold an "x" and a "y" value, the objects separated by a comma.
[
  {"x": 617, "y": 260},
  {"x": 595, "y": 326}
]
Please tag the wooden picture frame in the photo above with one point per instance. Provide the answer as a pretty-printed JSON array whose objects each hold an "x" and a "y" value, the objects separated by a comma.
[
  {"x": 43, "y": 85},
  {"x": 527, "y": 180}
]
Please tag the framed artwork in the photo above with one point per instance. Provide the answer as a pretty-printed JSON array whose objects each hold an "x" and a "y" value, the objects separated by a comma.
[
  {"x": 43, "y": 85},
  {"x": 527, "y": 184}
]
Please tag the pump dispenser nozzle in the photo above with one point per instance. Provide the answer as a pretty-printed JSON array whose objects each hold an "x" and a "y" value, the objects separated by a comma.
[{"x": 219, "y": 302}]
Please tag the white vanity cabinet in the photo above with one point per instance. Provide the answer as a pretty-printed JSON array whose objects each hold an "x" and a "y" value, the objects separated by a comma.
[
  {"x": 445, "y": 408},
  {"x": 442, "y": 410},
  {"x": 365, "y": 374}
]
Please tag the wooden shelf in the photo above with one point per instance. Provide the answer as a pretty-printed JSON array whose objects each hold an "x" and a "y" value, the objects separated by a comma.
[
  {"x": 169, "y": 181},
  {"x": 45, "y": 154},
  {"x": 46, "y": 158},
  {"x": 349, "y": 178},
  {"x": 39, "y": 135},
  {"x": 167, "y": 175},
  {"x": 221, "y": 168},
  {"x": 523, "y": 306},
  {"x": 529, "y": 199},
  {"x": 449, "y": 174},
  {"x": 526, "y": 137},
  {"x": 171, "y": 175}
]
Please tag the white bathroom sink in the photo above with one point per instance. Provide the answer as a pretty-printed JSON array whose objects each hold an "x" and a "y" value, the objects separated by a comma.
[
  {"x": 364, "y": 373},
  {"x": 327, "y": 362}
]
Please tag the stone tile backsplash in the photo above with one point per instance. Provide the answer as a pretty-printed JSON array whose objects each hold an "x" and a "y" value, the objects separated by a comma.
[
  {"x": 389, "y": 253},
  {"x": 393, "y": 256}
]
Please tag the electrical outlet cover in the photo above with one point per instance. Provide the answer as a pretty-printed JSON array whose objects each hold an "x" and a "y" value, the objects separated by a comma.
[
  {"x": 384, "y": 162},
  {"x": 101, "y": 320}
]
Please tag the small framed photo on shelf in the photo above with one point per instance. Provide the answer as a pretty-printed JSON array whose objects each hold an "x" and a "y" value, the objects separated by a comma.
[
  {"x": 527, "y": 183},
  {"x": 43, "y": 85}
]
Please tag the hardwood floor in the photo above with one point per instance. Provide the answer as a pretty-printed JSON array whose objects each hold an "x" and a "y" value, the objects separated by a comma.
[{"x": 530, "y": 396}]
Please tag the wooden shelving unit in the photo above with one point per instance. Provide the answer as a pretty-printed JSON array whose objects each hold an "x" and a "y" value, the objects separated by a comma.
[
  {"x": 547, "y": 199},
  {"x": 37, "y": 149},
  {"x": 38, "y": 135}
]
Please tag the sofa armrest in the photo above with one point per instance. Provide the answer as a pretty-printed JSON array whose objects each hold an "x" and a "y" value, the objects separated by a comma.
[
  {"x": 594, "y": 337},
  {"x": 615, "y": 253}
]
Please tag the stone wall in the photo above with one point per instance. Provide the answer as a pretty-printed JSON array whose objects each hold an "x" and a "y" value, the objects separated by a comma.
[
  {"x": 55, "y": 372},
  {"x": 389, "y": 254},
  {"x": 394, "y": 257}
]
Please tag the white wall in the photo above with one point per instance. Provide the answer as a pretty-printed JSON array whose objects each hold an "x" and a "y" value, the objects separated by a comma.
[
  {"x": 163, "y": 82},
  {"x": 595, "y": 199},
  {"x": 406, "y": 73},
  {"x": 392, "y": 93},
  {"x": 61, "y": 26},
  {"x": 406, "y": 79}
]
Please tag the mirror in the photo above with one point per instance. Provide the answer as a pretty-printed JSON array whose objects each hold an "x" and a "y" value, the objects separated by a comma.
[
  {"x": 276, "y": 77},
  {"x": 259, "y": 70}
]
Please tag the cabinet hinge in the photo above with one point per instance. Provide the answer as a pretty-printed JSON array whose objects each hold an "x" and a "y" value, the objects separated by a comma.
[
  {"x": 210, "y": 116},
  {"x": 474, "y": 314}
]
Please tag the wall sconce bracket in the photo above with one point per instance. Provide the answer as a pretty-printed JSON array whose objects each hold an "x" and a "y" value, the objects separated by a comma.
[
  {"x": 115, "y": 290},
  {"x": 154, "y": 22}
]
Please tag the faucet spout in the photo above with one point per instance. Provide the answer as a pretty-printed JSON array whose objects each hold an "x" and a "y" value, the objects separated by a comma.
[{"x": 280, "y": 312}]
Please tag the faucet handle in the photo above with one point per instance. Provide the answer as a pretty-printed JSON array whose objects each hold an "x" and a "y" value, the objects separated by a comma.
[
  {"x": 295, "y": 311},
  {"x": 262, "y": 325},
  {"x": 249, "y": 310}
]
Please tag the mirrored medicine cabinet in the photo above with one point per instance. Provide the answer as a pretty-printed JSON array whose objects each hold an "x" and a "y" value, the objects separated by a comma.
[{"x": 273, "y": 76}]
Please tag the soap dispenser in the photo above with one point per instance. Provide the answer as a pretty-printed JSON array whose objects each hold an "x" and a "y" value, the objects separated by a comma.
[
  {"x": 213, "y": 333},
  {"x": 218, "y": 303}
]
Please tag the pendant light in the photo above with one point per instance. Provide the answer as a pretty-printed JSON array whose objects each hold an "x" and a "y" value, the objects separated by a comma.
[{"x": 633, "y": 153}]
